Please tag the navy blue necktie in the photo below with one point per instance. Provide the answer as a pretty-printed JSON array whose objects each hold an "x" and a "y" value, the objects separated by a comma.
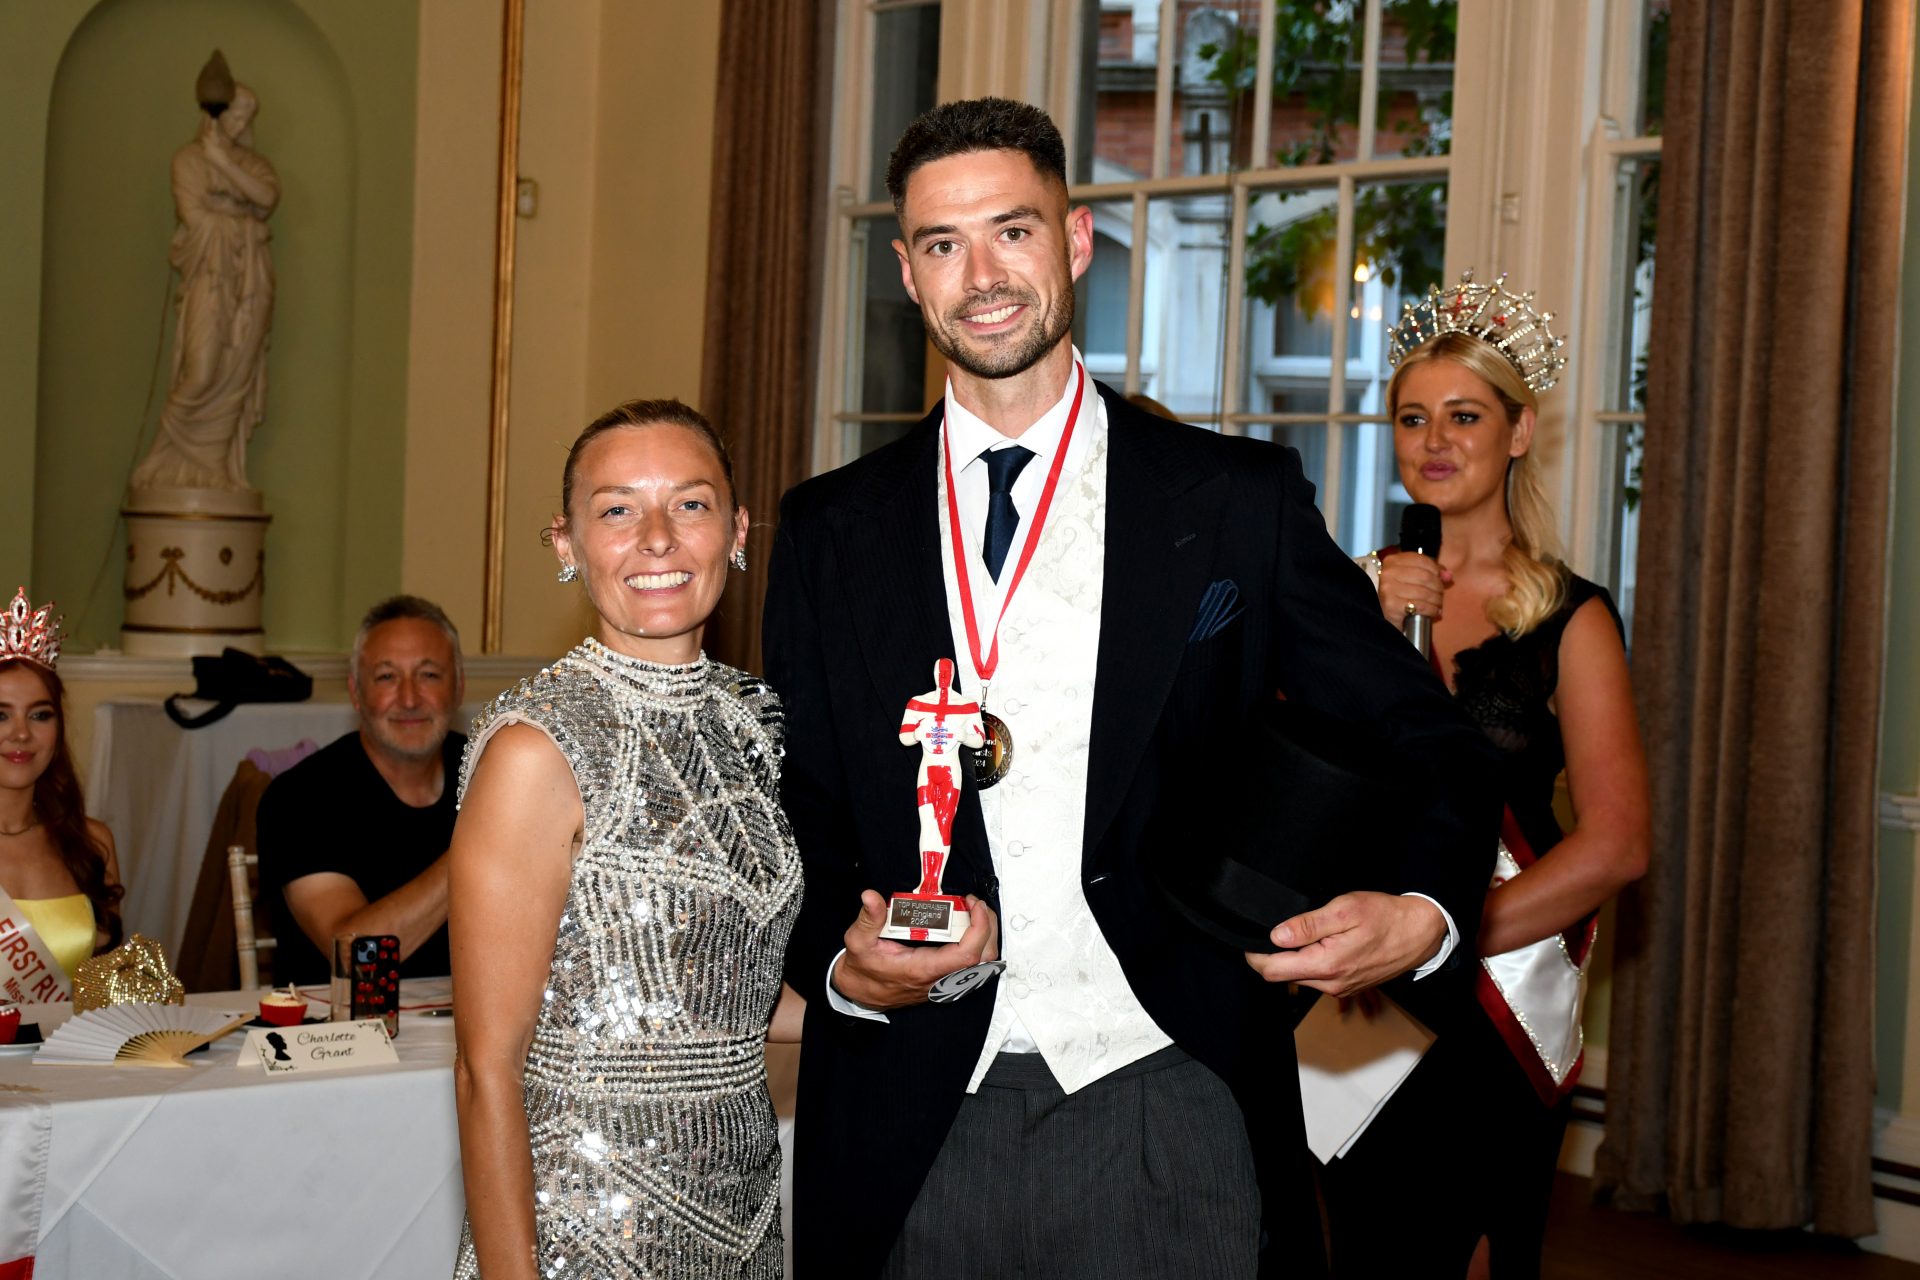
[{"x": 1003, "y": 467}]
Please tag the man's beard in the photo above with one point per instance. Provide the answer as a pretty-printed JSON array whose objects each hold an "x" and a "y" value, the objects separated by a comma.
[
  {"x": 1004, "y": 359},
  {"x": 390, "y": 743}
]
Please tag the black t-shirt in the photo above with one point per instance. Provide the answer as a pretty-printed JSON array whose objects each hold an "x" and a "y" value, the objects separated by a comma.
[{"x": 334, "y": 812}]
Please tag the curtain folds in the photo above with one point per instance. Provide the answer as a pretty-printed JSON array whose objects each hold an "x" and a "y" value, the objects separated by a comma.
[
  {"x": 762, "y": 276},
  {"x": 1740, "y": 1074}
]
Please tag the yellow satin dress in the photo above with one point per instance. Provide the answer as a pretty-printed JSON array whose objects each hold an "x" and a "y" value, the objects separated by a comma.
[{"x": 65, "y": 925}]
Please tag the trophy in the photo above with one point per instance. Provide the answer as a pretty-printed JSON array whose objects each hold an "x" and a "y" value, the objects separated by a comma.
[{"x": 940, "y": 726}]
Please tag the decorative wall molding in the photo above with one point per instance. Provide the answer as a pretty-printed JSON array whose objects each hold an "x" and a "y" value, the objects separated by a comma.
[{"x": 120, "y": 668}]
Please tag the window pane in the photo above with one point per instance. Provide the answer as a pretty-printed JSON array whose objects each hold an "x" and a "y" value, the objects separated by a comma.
[
  {"x": 1100, "y": 295},
  {"x": 1653, "y": 67},
  {"x": 1399, "y": 251},
  {"x": 1183, "y": 326},
  {"x": 1291, "y": 278},
  {"x": 1119, "y": 59},
  {"x": 1632, "y": 284},
  {"x": 906, "y": 75},
  {"x": 1213, "y": 87},
  {"x": 1319, "y": 47},
  {"x": 1415, "y": 106},
  {"x": 887, "y": 351},
  {"x": 1399, "y": 238},
  {"x": 1400, "y": 242},
  {"x": 1630, "y": 441},
  {"x": 1640, "y": 197}
]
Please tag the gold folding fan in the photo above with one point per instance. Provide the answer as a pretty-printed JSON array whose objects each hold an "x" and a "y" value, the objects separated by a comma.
[{"x": 146, "y": 1035}]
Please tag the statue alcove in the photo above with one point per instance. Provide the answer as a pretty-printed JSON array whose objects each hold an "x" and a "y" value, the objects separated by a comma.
[{"x": 114, "y": 95}]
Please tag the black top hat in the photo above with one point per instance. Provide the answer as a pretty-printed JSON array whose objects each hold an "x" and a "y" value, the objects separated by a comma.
[{"x": 1310, "y": 814}]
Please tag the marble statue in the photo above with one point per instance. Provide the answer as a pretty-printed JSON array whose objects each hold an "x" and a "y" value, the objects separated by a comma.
[{"x": 223, "y": 193}]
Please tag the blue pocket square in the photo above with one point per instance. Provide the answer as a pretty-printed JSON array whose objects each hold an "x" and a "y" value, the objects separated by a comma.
[{"x": 1219, "y": 606}]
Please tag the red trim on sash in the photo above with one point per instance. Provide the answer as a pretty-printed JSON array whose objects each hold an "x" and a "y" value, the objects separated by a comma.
[
  {"x": 1579, "y": 940},
  {"x": 18, "y": 1269}
]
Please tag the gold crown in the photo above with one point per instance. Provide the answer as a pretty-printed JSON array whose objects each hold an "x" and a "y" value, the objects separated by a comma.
[
  {"x": 1505, "y": 320},
  {"x": 30, "y": 633}
]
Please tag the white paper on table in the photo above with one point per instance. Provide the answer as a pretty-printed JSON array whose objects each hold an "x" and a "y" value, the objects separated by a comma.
[{"x": 1350, "y": 1064}]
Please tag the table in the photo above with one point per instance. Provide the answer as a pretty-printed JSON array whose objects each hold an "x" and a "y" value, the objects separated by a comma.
[
  {"x": 217, "y": 1171},
  {"x": 157, "y": 786}
]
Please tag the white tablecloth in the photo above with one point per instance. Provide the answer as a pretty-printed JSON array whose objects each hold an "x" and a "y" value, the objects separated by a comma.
[
  {"x": 217, "y": 1171},
  {"x": 157, "y": 786}
]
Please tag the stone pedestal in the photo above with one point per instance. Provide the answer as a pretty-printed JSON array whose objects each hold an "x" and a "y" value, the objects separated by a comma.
[{"x": 196, "y": 571}]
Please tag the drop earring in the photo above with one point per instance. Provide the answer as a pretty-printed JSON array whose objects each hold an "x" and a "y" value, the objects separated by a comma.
[
  {"x": 568, "y": 573},
  {"x": 740, "y": 559}
]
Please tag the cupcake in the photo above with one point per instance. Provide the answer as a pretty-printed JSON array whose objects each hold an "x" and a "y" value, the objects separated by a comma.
[{"x": 284, "y": 1008}]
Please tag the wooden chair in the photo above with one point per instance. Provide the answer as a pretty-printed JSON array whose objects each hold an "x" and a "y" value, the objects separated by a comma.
[
  {"x": 247, "y": 947},
  {"x": 206, "y": 954}
]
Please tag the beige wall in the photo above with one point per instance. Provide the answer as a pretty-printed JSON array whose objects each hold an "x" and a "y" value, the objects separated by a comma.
[
  {"x": 451, "y": 333},
  {"x": 610, "y": 273}
]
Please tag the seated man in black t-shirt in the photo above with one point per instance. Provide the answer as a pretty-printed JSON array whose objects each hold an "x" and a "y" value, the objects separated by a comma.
[{"x": 355, "y": 836}]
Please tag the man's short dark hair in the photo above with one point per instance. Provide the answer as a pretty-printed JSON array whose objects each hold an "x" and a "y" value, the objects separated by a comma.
[
  {"x": 976, "y": 124},
  {"x": 404, "y": 606}
]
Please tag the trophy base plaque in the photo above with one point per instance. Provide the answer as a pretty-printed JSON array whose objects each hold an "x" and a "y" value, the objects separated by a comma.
[{"x": 925, "y": 917}]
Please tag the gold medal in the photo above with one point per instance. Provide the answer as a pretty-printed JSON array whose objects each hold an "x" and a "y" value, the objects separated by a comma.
[{"x": 992, "y": 760}]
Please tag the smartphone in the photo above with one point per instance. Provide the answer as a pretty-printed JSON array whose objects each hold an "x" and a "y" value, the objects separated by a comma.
[{"x": 376, "y": 979}]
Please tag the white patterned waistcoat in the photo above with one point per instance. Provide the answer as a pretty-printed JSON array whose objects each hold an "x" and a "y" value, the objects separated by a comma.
[{"x": 1063, "y": 986}]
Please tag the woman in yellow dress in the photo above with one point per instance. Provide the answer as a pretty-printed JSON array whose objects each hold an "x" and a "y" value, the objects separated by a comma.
[{"x": 56, "y": 863}]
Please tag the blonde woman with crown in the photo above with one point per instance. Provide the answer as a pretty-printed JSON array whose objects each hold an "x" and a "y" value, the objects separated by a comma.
[
  {"x": 58, "y": 874},
  {"x": 1534, "y": 654}
]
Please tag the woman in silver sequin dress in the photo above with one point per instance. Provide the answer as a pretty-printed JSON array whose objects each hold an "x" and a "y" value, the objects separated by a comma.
[{"x": 622, "y": 885}]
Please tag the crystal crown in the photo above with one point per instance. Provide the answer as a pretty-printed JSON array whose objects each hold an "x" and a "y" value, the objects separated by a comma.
[
  {"x": 30, "y": 633},
  {"x": 1490, "y": 312}
]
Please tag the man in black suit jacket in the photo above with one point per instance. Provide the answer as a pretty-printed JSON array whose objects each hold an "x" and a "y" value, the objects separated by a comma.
[{"x": 908, "y": 1161}]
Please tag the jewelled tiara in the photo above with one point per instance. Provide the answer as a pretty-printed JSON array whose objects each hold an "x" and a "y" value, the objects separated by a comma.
[
  {"x": 30, "y": 633},
  {"x": 1505, "y": 320}
]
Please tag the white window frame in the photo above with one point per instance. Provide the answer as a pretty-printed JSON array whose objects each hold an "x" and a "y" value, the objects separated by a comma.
[
  {"x": 1615, "y": 148},
  {"x": 1540, "y": 91}
]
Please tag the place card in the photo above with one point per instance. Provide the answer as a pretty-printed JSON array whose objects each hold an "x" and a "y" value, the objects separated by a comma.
[{"x": 324, "y": 1046}]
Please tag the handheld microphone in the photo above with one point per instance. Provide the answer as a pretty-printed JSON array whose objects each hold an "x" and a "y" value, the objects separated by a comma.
[{"x": 1420, "y": 532}]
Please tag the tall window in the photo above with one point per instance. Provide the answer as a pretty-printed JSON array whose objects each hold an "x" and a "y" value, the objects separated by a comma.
[
  {"x": 1626, "y": 156},
  {"x": 1269, "y": 180},
  {"x": 881, "y": 384},
  {"x": 1277, "y": 175}
]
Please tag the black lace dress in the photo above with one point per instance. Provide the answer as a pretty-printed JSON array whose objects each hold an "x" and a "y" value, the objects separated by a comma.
[{"x": 1465, "y": 1148}]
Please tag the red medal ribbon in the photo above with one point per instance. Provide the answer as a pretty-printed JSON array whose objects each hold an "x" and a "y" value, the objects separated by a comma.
[{"x": 984, "y": 668}]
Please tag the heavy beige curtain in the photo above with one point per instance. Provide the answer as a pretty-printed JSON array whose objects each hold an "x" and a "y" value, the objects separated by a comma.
[
  {"x": 769, "y": 198},
  {"x": 1740, "y": 1081}
]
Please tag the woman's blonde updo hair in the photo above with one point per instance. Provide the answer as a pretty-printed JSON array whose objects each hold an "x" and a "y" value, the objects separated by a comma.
[{"x": 1536, "y": 579}]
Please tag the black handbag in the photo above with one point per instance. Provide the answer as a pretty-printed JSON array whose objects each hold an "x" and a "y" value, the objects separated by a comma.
[{"x": 236, "y": 677}]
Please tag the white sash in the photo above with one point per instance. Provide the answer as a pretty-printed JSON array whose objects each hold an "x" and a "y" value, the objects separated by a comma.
[
  {"x": 26, "y": 1136},
  {"x": 29, "y": 974},
  {"x": 1535, "y": 993}
]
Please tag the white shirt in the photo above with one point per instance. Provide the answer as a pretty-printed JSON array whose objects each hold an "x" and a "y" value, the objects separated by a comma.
[{"x": 970, "y": 437}]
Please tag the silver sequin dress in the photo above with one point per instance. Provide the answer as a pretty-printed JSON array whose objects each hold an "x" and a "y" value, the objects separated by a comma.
[{"x": 654, "y": 1147}]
